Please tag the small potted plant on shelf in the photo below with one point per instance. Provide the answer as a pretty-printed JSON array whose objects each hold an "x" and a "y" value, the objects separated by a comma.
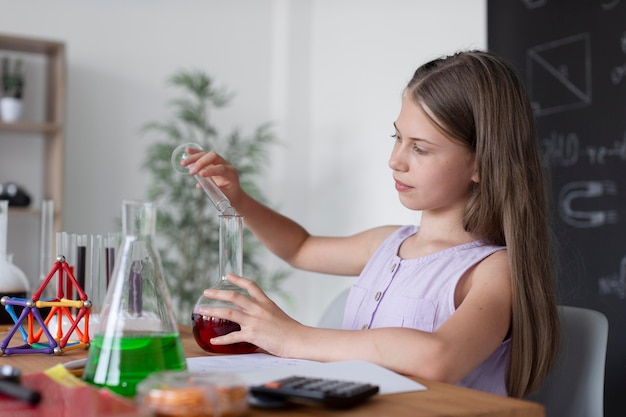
[{"x": 12, "y": 81}]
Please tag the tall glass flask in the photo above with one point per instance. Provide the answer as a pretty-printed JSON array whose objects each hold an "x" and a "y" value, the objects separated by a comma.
[
  {"x": 137, "y": 334},
  {"x": 230, "y": 261}
]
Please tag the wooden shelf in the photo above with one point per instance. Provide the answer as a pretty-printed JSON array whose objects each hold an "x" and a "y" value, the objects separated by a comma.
[
  {"x": 51, "y": 130},
  {"x": 28, "y": 127},
  {"x": 31, "y": 45}
]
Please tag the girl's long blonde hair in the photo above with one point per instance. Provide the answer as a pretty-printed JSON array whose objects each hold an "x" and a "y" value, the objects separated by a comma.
[{"x": 479, "y": 100}]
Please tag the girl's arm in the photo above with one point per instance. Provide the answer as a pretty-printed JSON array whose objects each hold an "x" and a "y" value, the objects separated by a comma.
[
  {"x": 473, "y": 332},
  {"x": 292, "y": 243},
  {"x": 283, "y": 236}
]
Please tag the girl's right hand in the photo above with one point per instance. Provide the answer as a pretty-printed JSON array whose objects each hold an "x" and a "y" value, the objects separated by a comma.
[{"x": 211, "y": 164}]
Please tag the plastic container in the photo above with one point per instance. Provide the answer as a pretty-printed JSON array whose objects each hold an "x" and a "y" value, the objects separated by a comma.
[{"x": 189, "y": 394}]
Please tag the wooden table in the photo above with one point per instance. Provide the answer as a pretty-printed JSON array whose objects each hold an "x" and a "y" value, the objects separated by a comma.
[{"x": 438, "y": 400}]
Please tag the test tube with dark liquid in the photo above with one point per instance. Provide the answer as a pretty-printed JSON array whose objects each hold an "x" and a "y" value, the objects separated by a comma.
[
  {"x": 81, "y": 260},
  {"x": 135, "y": 281},
  {"x": 109, "y": 257}
]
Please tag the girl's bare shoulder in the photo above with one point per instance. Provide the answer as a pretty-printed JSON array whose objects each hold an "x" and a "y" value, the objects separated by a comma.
[{"x": 495, "y": 267}]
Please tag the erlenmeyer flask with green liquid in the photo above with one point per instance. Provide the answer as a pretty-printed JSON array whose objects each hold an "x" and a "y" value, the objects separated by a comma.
[{"x": 137, "y": 334}]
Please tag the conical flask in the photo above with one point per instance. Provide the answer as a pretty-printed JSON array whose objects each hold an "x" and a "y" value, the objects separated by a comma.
[
  {"x": 230, "y": 261},
  {"x": 137, "y": 334}
]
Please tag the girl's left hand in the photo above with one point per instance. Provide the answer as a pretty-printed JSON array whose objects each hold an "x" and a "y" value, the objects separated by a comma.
[{"x": 262, "y": 322}]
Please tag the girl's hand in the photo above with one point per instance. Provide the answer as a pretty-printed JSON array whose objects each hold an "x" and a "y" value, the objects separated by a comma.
[
  {"x": 262, "y": 322},
  {"x": 211, "y": 164}
]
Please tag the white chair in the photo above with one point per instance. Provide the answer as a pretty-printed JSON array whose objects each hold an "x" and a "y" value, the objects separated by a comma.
[
  {"x": 333, "y": 315},
  {"x": 575, "y": 386}
]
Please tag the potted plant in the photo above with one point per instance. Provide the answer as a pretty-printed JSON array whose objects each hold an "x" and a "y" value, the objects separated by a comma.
[
  {"x": 12, "y": 90},
  {"x": 188, "y": 224}
]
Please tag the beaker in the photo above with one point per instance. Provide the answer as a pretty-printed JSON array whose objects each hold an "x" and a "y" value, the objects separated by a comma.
[
  {"x": 230, "y": 261},
  {"x": 137, "y": 334}
]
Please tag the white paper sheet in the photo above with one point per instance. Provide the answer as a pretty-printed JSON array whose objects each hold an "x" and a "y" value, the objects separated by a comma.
[{"x": 258, "y": 368}]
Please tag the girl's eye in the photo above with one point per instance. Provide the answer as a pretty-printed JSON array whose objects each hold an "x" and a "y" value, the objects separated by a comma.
[{"x": 415, "y": 147}]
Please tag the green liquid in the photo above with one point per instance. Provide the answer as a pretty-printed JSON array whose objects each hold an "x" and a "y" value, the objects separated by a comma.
[{"x": 120, "y": 363}]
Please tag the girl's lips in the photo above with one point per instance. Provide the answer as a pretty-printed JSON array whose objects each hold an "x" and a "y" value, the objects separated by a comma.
[{"x": 401, "y": 187}]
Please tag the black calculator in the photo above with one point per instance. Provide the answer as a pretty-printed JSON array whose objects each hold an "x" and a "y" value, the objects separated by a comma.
[{"x": 325, "y": 392}]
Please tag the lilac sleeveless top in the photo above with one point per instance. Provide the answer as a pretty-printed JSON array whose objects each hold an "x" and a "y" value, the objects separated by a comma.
[{"x": 419, "y": 294}]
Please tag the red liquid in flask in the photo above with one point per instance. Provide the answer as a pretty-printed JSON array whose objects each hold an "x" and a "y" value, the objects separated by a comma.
[{"x": 205, "y": 329}]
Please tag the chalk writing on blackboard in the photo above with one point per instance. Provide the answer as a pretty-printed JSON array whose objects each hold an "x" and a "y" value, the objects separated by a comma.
[
  {"x": 560, "y": 149},
  {"x": 609, "y": 4},
  {"x": 619, "y": 72},
  {"x": 559, "y": 74},
  {"x": 564, "y": 150},
  {"x": 614, "y": 284},
  {"x": 574, "y": 197},
  {"x": 533, "y": 4},
  {"x": 600, "y": 154}
]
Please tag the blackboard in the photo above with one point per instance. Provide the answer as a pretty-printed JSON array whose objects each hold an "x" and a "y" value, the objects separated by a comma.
[{"x": 571, "y": 55}]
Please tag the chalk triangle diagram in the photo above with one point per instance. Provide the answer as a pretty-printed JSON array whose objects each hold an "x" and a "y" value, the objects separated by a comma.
[
  {"x": 60, "y": 306},
  {"x": 559, "y": 75}
]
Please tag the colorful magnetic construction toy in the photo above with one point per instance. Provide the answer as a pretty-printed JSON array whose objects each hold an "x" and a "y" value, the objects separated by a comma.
[{"x": 61, "y": 307}]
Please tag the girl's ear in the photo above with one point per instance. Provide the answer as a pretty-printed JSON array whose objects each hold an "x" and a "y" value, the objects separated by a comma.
[{"x": 475, "y": 177}]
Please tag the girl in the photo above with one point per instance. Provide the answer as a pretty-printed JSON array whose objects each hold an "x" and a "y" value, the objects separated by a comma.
[{"x": 467, "y": 296}]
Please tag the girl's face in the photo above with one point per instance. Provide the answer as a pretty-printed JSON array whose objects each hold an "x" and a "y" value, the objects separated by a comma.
[{"x": 431, "y": 171}]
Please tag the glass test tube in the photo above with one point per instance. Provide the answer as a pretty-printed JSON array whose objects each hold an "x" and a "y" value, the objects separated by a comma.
[
  {"x": 46, "y": 235},
  {"x": 111, "y": 242},
  {"x": 80, "y": 271},
  {"x": 95, "y": 282}
]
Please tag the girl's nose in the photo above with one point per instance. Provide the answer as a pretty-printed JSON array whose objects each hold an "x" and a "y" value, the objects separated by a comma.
[{"x": 396, "y": 160}]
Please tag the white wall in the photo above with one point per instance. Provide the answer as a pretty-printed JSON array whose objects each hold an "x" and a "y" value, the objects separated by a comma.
[{"x": 329, "y": 73}]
